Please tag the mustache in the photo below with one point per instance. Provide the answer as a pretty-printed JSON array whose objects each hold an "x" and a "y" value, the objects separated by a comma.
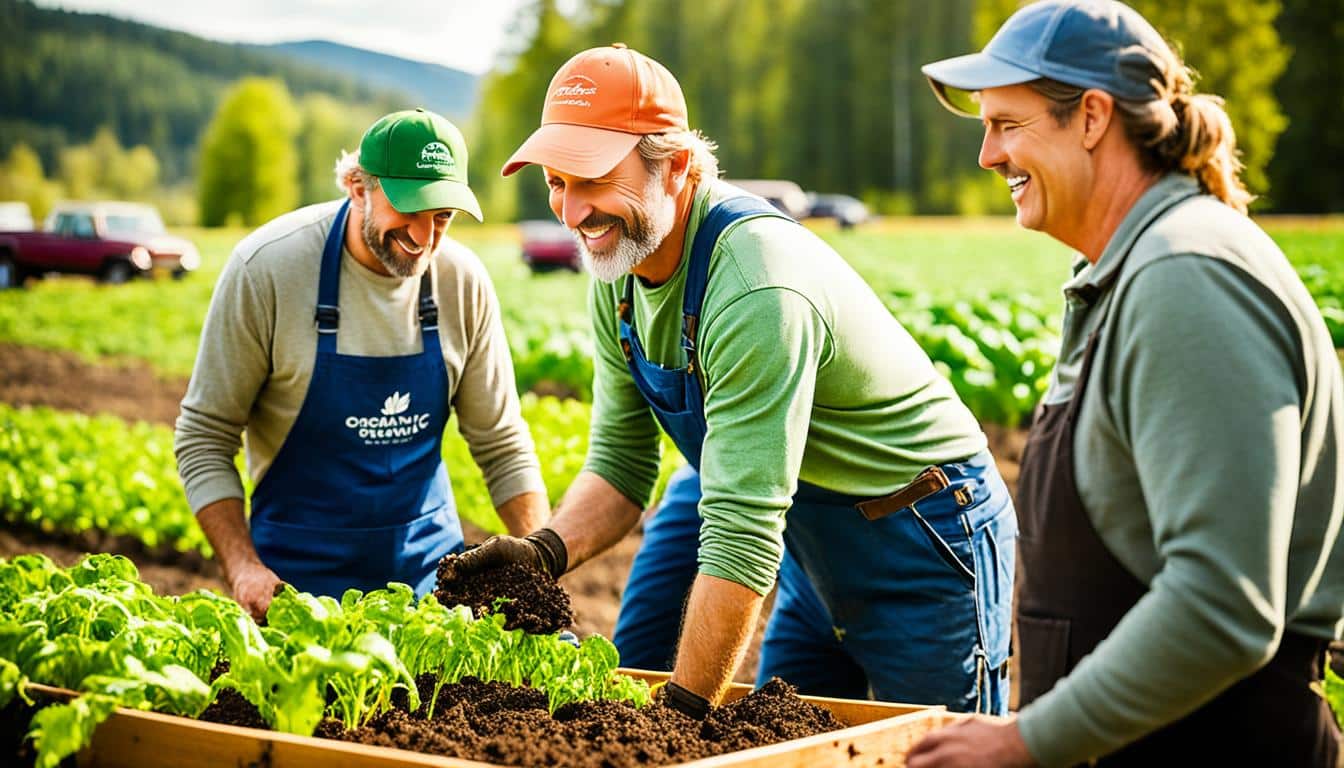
[{"x": 597, "y": 220}]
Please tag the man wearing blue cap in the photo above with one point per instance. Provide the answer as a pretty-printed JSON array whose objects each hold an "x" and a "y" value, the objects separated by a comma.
[
  {"x": 340, "y": 336},
  {"x": 1180, "y": 495}
]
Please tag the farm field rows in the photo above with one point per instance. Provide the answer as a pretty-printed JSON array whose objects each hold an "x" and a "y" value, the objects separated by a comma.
[
  {"x": 976, "y": 294},
  {"x": 979, "y": 295}
]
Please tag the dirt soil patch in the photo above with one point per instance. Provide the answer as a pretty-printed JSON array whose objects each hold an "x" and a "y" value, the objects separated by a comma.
[
  {"x": 64, "y": 380},
  {"x": 506, "y": 725}
]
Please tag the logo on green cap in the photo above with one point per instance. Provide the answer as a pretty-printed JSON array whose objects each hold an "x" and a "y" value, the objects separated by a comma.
[{"x": 436, "y": 157}]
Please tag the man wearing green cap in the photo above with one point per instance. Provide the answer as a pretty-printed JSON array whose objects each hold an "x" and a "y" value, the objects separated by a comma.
[{"x": 338, "y": 337}]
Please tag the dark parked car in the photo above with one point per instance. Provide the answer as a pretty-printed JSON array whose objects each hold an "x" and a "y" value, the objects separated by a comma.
[
  {"x": 847, "y": 211},
  {"x": 549, "y": 245},
  {"x": 114, "y": 242}
]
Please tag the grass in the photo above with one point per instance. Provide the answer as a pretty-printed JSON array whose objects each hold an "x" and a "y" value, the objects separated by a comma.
[{"x": 159, "y": 321}]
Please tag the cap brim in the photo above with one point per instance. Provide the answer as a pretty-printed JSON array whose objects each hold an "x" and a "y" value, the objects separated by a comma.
[
  {"x": 956, "y": 80},
  {"x": 414, "y": 195},
  {"x": 577, "y": 150}
]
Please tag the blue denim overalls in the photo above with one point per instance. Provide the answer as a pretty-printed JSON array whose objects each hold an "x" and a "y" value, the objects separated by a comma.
[
  {"x": 911, "y": 607},
  {"x": 358, "y": 495}
]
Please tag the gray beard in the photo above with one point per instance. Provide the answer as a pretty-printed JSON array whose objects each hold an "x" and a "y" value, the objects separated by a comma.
[
  {"x": 636, "y": 242},
  {"x": 386, "y": 252}
]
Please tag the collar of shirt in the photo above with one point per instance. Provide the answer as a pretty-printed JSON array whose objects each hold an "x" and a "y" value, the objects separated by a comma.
[{"x": 1090, "y": 281}]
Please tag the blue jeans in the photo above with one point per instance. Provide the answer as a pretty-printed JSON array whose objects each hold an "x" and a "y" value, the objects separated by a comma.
[{"x": 907, "y": 608}]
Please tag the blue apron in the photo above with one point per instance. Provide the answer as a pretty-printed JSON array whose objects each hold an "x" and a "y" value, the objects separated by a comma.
[
  {"x": 358, "y": 495},
  {"x": 913, "y": 608}
]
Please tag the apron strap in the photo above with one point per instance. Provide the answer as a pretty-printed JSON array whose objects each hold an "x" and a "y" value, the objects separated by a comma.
[
  {"x": 428, "y": 309},
  {"x": 328, "y": 314}
]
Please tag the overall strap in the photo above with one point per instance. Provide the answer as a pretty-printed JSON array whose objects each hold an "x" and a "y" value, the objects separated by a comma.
[
  {"x": 719, "y": 218},
  {"x": 328, "y": 315}
]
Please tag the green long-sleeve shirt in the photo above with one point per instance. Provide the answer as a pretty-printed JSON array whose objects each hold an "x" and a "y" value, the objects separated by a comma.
[
  {"x": 808, "y": 376},
  {"x": 1207, "y": 456}
]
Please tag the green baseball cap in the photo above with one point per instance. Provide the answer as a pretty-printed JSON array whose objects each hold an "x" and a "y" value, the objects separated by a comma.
[{"x": 420, "y": 160}]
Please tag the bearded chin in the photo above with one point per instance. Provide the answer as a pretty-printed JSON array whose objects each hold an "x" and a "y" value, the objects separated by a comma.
[
  {"x": 385, "y": 251},
  {"x": 627, "y": 255},
  {"x": 637, "y": 242}
]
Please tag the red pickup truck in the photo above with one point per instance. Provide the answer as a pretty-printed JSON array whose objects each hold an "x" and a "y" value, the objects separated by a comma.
[{"x": 114, "y": 242}]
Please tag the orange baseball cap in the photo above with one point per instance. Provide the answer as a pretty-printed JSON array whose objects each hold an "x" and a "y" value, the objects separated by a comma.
[{"x": 598, "y": 106}]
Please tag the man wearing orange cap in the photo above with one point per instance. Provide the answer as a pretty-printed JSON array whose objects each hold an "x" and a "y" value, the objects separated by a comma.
[{"x": 794, "y": 396}]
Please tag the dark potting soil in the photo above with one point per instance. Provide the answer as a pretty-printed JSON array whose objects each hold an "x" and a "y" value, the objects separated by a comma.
[
  {"x": 229, "y": 706},
  {"x": 501, "y": 724},
  {"x": 533, "y": 603}
]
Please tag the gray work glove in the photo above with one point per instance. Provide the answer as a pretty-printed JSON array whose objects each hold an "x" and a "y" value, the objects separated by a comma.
[{"x": 543, "y": 550}]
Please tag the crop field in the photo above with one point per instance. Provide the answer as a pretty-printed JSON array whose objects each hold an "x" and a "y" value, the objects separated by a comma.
[{"x": 981, "y": 296}]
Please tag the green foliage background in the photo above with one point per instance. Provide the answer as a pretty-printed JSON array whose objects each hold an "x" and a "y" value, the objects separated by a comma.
[
  {"x": 248, "y": 165},
  {"x": 825, "y": 92},
  {"x": 828, "y": 92}
]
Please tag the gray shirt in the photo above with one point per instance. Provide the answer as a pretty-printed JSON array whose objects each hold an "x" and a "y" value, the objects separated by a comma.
[
  {"x": 1207, "y": 455},
  {"x": 259, "y": 344}
]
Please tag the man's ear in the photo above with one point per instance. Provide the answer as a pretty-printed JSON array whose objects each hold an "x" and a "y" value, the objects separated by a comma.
[
  {"x": 679, "y": 166},
  {"x": 358, "y": 192},
  {"x": 1098, "y": 108}
]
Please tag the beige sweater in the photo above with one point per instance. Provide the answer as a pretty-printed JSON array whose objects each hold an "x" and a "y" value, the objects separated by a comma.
[{"x": 259, "y": 344}]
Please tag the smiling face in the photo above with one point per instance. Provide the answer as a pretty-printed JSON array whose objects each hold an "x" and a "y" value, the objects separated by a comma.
[
  {"x": 1048, "y": 168},
  {"x": 403, "y": 243},
  {"x": 619, "y": 219}
]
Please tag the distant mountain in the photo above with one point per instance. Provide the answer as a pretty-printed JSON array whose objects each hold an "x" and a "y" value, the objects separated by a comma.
[
  {"x": 448, "y": 91},
  {"x": 63, "y": 75}
]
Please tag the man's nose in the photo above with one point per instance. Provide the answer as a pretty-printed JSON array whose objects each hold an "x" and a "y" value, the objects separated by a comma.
[
  {"x": 991, "y": 152},
  {"x": 420, "y": 228},
  {"x": 574, "y": 209}
]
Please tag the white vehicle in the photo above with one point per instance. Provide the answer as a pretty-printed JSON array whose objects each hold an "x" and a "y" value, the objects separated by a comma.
[{"x": 15, "y": 217}]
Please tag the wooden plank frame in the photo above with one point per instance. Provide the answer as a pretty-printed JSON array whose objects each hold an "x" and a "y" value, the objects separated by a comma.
[{"x": 879, "y": 734}]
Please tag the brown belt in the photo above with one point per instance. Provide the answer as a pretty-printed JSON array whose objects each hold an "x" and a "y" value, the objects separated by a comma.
[{"x": 925, "y": 484}]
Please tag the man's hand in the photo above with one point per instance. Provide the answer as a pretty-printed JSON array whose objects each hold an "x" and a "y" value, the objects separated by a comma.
[
  {"x": 972, "y": 742},
  {"x": 543, "y": 550},
  {"x": 253, "y": 586}
]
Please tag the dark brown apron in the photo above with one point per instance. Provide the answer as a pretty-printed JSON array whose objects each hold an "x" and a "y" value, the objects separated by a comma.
[{"x": 1073, "y": 592}]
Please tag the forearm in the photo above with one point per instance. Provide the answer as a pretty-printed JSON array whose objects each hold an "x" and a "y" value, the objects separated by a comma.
[
  {"x": 592, "y": 517},
  {"x": 720, "y": 617},
  {"x": 525, "y": 512},
  {"x": 1193, "y": 649},
  {"x": 226, "y": 529}
]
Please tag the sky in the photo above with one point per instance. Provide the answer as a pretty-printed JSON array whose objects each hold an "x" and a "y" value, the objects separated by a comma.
[{"x": 463, "y": 34}]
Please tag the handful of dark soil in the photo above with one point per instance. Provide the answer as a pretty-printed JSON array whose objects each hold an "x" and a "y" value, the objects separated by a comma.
[{"x": 533, "y": 603}]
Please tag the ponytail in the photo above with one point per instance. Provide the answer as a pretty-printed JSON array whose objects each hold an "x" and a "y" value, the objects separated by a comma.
[{"x": 1205, "y": 146}]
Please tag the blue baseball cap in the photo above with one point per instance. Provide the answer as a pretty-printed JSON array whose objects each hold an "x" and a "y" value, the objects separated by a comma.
[{"x": 1085, "y": 43}]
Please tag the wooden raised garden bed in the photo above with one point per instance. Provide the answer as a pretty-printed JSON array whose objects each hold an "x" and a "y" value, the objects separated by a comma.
[{"x": 879, "y": 734}]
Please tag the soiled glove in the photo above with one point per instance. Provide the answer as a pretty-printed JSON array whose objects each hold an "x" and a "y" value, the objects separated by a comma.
[
  {"x": 691, "y": 704},
  {"x": 543, "y": 550}
]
